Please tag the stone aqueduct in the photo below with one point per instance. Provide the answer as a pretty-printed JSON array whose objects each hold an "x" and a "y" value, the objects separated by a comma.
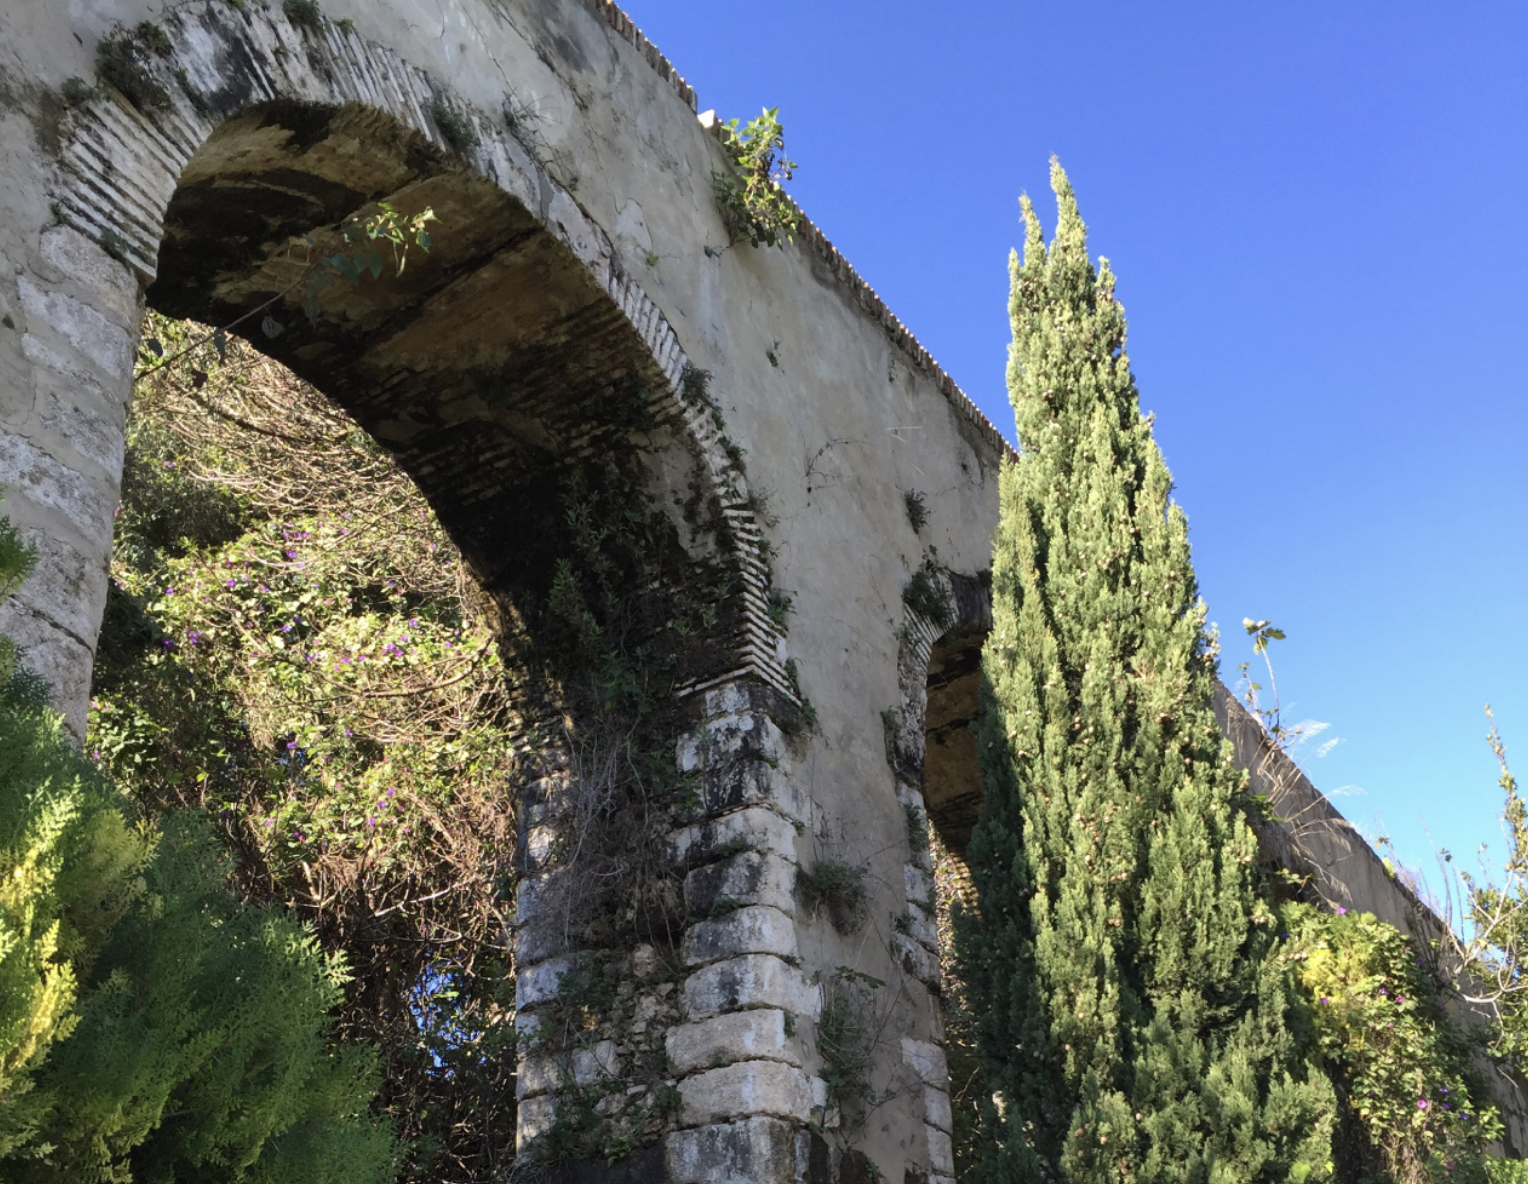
[{"x": 579, "y": 260}]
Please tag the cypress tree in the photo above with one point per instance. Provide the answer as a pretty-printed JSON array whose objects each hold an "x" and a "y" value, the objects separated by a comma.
[{"x": 1133, "y": 1015}]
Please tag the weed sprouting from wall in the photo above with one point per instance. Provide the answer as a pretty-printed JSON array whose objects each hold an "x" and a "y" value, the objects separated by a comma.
[
  {"x": 455, "y": 128},
  {"x": 846, "y": 1043},
  {"x": 837, "y": 887},
  {"x": 124, "y": 60},
  {"x": 305, "y": 15},
  {"x": 77, "y": 92},
  {"x": 917, "y": 509},
  {"x": 927, "y": 595}
]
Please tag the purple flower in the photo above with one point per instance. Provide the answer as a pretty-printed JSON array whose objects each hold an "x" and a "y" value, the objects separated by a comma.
[
  {"x": 291, "y": 554},
  {"x": 1324, "y": 999},
  {"x": 371, "y": 822},
  {"x": 1341, "y": 912}
]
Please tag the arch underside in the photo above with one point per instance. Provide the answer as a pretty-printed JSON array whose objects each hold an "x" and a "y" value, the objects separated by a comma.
[
  {"x": 493, "y": 367},
  {"x": 952, "y": 779},
  {"x": 510, "y": 362}
]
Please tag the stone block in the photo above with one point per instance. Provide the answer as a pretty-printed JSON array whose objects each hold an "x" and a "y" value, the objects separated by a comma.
[
  {"x": 760, "y": 828},
  {"x": 915, "y": 959},
  {"x": 749, "y": 878},
  {"x": 745, "y": 1089},
  {"x": 735, "y": 784},
  {"x": 927, "y": 1061},
  {"x": 51, "y": 314},
  {"x": 754, "y": 980},
  {"x": 936, "y": 1108},
  {"x": 749, "y": 735},
  {"x": 540, "y": 843},
  {"x": 920, "y": 926},
  {"x": 540, "y": 917},
  {"x": 539, "y": 1073},
  {"x": 941, "y": 1151},
  {"x": 742, "y": 1035},
  {"x": 753, "y": 930},
  {"x": 757, "y": 1151},
  {"x": 81, "y": 262},
  {"x": 62, "y": 501},
  {"x": 86, "y": 419},
  {"x": 539, "y": 983},
  {"x": 596, "y": 1064},
  {"x": 919, "y": 885},
  {"x": 534, "y": 1118}
]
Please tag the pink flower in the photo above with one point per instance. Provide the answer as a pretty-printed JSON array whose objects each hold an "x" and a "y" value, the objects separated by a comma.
[
  {"x": 1341, "y": 912},
  {"x": 1421, "y": 1103}
]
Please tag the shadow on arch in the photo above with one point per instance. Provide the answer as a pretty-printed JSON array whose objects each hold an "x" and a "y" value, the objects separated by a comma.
[{"x": 516, "y": 373}]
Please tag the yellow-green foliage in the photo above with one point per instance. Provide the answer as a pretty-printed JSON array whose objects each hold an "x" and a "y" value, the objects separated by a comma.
[
  {"x": 200, "y": 1050},
  {"x": 68, "y": 869},
  {"x": 1413, "y": 1113},
  {"x": 68, "y": 864},
  {"x": 152, "y": 1026}
]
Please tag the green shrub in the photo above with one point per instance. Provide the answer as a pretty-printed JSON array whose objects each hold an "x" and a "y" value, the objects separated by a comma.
[
  {"x": 1411, "y": 1109},
  {"x": 304, "y": 14},
  {"x": 201, "y": 1044},
  {"x": 153, "y": 1026}
]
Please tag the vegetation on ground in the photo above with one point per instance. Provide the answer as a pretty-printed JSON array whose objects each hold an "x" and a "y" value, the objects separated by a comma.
[{"x": 294, "y": 651}]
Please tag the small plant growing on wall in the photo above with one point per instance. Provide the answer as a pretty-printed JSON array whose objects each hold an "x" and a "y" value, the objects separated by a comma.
[
  {"x": 837, "y": 887},
  {"x": 304, "y": 14},
  {"x": 917, "y": 510},
  {"x": 124, "y": 59},
  {"x": 754, "y": 205},
  {"x": 455, "y": 128},
  {"x": 846, "y": 1042},
  {"x": 927, "y": 595}
]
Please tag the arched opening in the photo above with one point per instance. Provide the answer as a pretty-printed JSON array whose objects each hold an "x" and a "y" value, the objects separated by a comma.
[
  {"x": 546, "y": 412},
  {"x": 952, "y": 780}
]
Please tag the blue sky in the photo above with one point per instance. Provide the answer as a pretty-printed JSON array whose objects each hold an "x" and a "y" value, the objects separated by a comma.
[{"x": 1316, "y": 213}]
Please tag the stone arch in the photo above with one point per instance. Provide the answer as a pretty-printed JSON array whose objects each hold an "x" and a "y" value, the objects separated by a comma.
[
  {"x": 512, "y": 359},
  {"x": 515, "y": 350},
  {"x": 929, "y": 740}
]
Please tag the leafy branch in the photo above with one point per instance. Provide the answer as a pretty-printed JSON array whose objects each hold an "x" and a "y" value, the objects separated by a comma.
[
  {"x": 365, "y": 236},
  {"x": 754, "y": 205}
]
